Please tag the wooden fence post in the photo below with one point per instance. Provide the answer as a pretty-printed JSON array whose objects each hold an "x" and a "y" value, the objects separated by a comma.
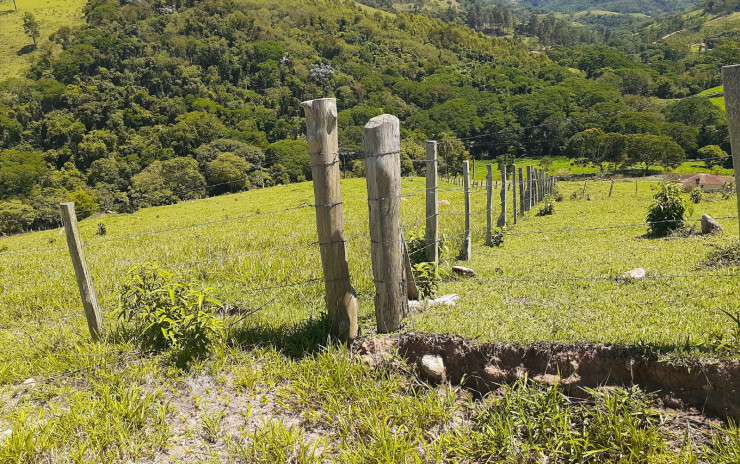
[
  {"x": 432, "y": 210},
  {"x": 489, "y": 203},
  {"x": 635, "y": 187},
  {"x": 467, "y": 242},
  {"x": 611, "y": 188},
  {"x": 82, "y": 273},
  {"x": 530, "y": 186},
  {"x": 382, "y": 143},
  {"x": 521, "y": 190},
  {"x": 323, "y": 146},
  {"x": 502, "y": 218},
  {"x": 513, "y": 192},
  {"x": 731, "y": 82},
  {"x": 583, "y": 194}
]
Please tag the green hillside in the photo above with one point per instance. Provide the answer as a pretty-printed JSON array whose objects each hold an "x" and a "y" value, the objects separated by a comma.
[{"x": 15, "y": 54}]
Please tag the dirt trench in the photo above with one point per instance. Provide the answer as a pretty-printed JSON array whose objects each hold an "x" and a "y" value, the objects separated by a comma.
[{"x": 709, "y": 385}]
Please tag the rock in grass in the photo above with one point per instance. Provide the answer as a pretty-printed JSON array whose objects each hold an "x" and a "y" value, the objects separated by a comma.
[
  {"x": 433, "y": 368},
  {"x": 709, "y": 225},
  {"x": 638, "y": 273},
  {"x": 444, "y": 202},
  {"x": 463, "y": 271}
]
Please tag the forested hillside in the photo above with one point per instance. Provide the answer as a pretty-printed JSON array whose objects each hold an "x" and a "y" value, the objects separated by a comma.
[{"x": 150, "y": 103}]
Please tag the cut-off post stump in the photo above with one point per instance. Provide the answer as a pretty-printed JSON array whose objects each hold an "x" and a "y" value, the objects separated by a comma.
[
  {"x": 520, "y": 171},
  {"x": 323, "y": 146},
  {"x": 467, "y": 242},
  {"x": 82, "y": 273},
  {"x": 432, "y": 210},
  {"x": 731, "y": 82},
  {"x": 382, "y": 143},
  {"x": 501, "y": 222},
  {"x": 489, "y": 203},
  {"x": 513, "y": 193}
]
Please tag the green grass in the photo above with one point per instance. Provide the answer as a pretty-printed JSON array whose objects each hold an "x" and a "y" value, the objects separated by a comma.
[
  {"x": 268, "y": 391},
  {"x": 52, "y": 14},
  {"x": 718, "y": 101}
]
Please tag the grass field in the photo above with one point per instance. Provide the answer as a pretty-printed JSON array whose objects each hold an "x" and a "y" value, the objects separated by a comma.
[
  {"x": 268, "y": 393},
  {"x": 52, "y": 14},
  {"x": 561, "y": 166},
  {"x": 718, "y": 101}
]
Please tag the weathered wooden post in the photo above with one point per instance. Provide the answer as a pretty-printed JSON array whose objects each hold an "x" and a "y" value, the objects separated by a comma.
[
  {"x": 323, "y": 147},
  {"x": 432, "y": 210},
  {"x": 521, "y": 190},
  {"x": 583, "y": 194},
  {"x": 82, "y": 273},
  {"x": 530, "y": 186},
  {"x": 731, "y": 82},
  {"x": 467, "y": 242},
  {"x": 611, "y": 188},
  {"x": 636, "y": 185},
  {"x": 502, "y": 218},
  {"x": 513, "y": 192},
  {"x": 489, "y": 203},
  {"x": 382, "y": 143}
]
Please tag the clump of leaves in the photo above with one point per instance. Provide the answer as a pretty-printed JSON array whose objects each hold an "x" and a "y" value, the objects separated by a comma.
[
  {"x": 668, "y": 211},
  {"x": 728, "y": 190},
  {"x": 167, "y": 312},
  {"x": 723, "y": 256},
  {"x": 101, "y": 229},
  {"x": 696, "y": 195},
  {"x": 428, "y": 275},
  {"x": 497, "y": 237},
  {"x": 548, "y": 208},
  {"x": 557, "y": 195}
]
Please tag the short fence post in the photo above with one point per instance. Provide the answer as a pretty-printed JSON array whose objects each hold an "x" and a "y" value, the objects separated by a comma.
[
  {"x": 323, "y": 146},
  {"x": 489, "y": 203},
  {"x": 513, "y": 192},
  {"x": 731, "y": 81},
  {"x": 611, "y": 188},
  {"x": 521, "y": 190},
  {"x": 82, "y": 273},
  {"x": 502, "y": 218},
  {"x": 382, "y": 143},
  {"x": 583, "y": 194},
  {"x": 432, "y": 211},
  {"x": 635, "y": 187},
  {"x": 467, "y": 242}
]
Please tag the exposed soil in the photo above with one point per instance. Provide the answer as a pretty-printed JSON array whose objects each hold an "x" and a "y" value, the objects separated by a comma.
[{"x": 708, "y": 386}]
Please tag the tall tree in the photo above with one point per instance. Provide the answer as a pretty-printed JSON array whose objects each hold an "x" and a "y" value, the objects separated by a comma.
[{"x": 31, "y": 26}]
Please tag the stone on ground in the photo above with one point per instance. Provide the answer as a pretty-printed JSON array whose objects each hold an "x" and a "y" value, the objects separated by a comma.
[
  {"x": 709, "y": 225},
  {"x": 433, "y": 367},
  {"x": 463, "y": 271},
  {"x": 638, "y": 273}
]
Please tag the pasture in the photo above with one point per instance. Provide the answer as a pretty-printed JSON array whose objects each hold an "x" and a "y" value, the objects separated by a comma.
[{"x": 268, "y": 392}]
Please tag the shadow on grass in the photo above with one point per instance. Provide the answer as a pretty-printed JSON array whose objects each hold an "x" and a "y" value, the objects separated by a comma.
[
  {"x": 26, "y": 50},
  {"x": 296, "y": 341}
]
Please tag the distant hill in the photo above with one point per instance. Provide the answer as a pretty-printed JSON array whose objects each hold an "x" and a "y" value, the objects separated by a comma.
[{"x": 647, "y": 7}]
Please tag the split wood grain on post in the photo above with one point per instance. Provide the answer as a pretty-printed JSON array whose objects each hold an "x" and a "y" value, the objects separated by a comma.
[{"x": 731, "y": 82}]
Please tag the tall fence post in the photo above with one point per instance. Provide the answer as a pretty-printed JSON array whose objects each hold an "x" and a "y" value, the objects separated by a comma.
[
  {"x": 530, "y": 186},
  {"x": 432, "y": 211},
  {"x": 489, "y": 203},
  {"x": 323, "y": 146},
  {"x": 467, "y": 242},
  {"x": 636, "y": 187},
  {"x": 611, "y": 188},
  {"x": 513, "y": 192},
  {"x": 82, "y": 273},
  {"x": 521, "y": 190},
  {"x": 502, "y": 218},
  {"x": 583, "y": 194},
  {"x": 382, "y": 143},
  {"x": 731, "y": 82}
]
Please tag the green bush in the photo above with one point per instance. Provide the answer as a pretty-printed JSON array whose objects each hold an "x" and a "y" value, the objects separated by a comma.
[
  {"x": 427, "y": 275},
  {"x": 168, "y": 313},
  {"x": 548, "y": 208},
  {"x": 668, "y": 211},
  {"x": 696, "y": 195}
]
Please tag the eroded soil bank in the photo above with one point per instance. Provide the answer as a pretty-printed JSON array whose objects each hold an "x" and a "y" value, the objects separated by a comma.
[{"x": 709, "y": 385}]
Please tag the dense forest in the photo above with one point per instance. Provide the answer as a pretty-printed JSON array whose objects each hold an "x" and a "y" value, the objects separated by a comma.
[{"x": 151, "y": 103}]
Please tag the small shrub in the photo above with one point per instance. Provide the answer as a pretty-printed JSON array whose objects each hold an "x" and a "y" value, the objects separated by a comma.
[
  {"x": 557, "y": 195},
  {"x": 728, "y": 190},
  {"x": 723, "y": 256},
  {"x": 427, "y": 274},
  {"x": 548, "y": 208},
  {"x": 696, "y": 195},
  {"x": 668, "y": 211},
  {"x": 168, "y": 313},
  {"x": 574, "y": 196},
  {"x": 497, "y": 237},
  {"x": 101, "y": 229}
]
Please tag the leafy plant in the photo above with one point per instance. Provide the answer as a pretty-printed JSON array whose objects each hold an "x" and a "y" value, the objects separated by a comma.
[
  {"x": 548, "y": 208},
  {"x": 428, "y": 275},
  {"x": 696, "y": 195},
  {"x": 668, "y": 211},
  {"x": 728, "y": 190},
  {"x": 168, "y": 313},
  {"x": 497, "y": 237},
  {"x": 101, "y": 229}
]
